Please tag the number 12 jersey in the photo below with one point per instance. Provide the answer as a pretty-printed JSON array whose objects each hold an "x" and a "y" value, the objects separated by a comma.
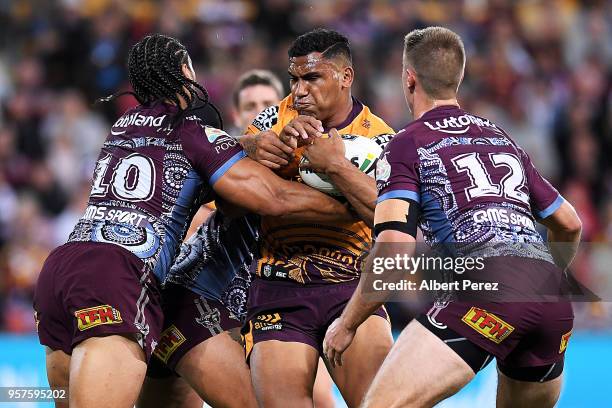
[{"x": 473, "y": 183}]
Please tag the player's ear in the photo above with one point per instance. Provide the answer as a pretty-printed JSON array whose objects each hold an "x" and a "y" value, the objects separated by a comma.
[
  {"x": 348, "y": 75},
  {"x": 236, "y": 118},
  {"x": 188, "y": 71},
  {"x": 410, "y": 80}
]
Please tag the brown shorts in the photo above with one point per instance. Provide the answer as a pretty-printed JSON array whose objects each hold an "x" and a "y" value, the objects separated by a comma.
[
  {"x": 517, "y": 334},
  {"x": 94, "y": 289},
  {"x": 288, "y": 311},
  {"x": 189, "y": 319}
]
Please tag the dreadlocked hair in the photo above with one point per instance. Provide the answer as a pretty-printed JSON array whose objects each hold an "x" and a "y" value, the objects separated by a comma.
[{"x": 154, "y": 71}]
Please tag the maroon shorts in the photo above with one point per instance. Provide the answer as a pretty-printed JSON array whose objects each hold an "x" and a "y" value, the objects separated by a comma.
[
  {"x": 288, "y": 311},
  {"x": 189, "y": 319},
  {"x": 517, "y": 334},
  {"x": 94, "y": 289}
]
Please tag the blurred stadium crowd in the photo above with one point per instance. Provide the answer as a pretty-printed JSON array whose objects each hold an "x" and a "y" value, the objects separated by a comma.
[{"x": 540, "y": 68}]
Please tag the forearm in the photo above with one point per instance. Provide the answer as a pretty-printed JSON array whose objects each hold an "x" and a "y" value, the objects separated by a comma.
[
  {"x": 299, "y": 202},
  {"x": 249, "y": 144},
  {"x": 564, "y": 230},
  {"x": 389, "y": 245},
  {"x": 358, "y": 308},
  {"x": 563, "y": 246},
  {"x": 358, "y": 188},
  {"x": 254, "y": 187}
]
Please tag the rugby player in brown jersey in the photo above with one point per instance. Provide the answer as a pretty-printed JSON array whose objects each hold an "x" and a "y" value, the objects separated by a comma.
[
  {"x": 97, "y": 301},
  {"x": 305, "y": 273},
  {"x": 256, "y": 91},
  {"x": 450, "y": 167}
]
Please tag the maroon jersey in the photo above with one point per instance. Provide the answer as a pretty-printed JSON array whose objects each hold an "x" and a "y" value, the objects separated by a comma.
[
  {"x": 150, "y": 178},
  {"x": 473, "y": 183}
]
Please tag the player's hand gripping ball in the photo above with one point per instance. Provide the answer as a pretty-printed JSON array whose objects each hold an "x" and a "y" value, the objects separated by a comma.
[{"x": 361, "y": 151}]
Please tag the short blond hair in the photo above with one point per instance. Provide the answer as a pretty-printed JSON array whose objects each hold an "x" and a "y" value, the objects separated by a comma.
[{"x": 437, "y": 55}]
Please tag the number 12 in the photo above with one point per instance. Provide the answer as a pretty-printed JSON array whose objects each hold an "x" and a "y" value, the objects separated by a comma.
[{"x": 482, "y": 186}]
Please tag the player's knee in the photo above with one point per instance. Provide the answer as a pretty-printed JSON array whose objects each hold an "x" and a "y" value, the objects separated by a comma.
[
  {"x": 528, "y": 393},
  {"x": 390, "y": 400}
]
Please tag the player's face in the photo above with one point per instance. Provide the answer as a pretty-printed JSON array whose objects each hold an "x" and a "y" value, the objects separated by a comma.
[
  {"x": 251, "y": 101},
  {"x": 317, "y": 84}
]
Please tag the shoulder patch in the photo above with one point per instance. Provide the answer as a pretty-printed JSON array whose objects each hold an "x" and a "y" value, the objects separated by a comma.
[
  {"x": 213, "y": 134},
  {"x": 266, "y": 119}
]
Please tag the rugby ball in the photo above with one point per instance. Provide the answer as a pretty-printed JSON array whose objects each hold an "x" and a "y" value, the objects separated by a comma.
[{"x": 359, "y": 150}]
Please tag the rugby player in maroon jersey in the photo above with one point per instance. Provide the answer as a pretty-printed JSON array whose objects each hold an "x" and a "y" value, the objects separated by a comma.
[{"x": 463, "y": 181}]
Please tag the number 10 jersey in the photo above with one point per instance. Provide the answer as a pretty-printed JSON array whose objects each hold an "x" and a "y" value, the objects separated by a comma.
[{"x": 150, "y": 179}]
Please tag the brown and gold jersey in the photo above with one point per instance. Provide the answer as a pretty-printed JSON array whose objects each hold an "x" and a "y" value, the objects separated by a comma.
[{"x": 309, "y": 253}]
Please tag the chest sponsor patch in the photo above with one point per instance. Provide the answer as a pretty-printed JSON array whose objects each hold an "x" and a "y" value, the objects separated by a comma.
[
  {"x": 170, "y": 340},
  {"x": 96, "y": 316},
  {"x": 487, "y": 324}
]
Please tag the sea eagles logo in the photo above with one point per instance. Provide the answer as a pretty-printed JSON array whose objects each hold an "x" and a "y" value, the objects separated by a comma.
[
  {"x": 209, "y": 318},
  {"x": 383, "y": 169}
]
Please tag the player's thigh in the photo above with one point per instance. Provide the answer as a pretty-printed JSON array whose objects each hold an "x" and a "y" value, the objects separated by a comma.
[
  {"x": 283, "y": 373},
  {"x": 362, "y": 360},
  {"x": 217, "y": 370},
  {"x": 58, "y": 372},
  {"x": 420, "y": 371},
  {"x": 168, "y": 392},
  {"x": 106, "y": 372},
  {"x": 322, "y": 393},
  {"x": 527, "y": 394}
]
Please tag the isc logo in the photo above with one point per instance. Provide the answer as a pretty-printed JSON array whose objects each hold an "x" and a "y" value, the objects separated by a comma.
[
  {"x": 487, "y": 324},
  {"x": 96, "y": 316}
]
